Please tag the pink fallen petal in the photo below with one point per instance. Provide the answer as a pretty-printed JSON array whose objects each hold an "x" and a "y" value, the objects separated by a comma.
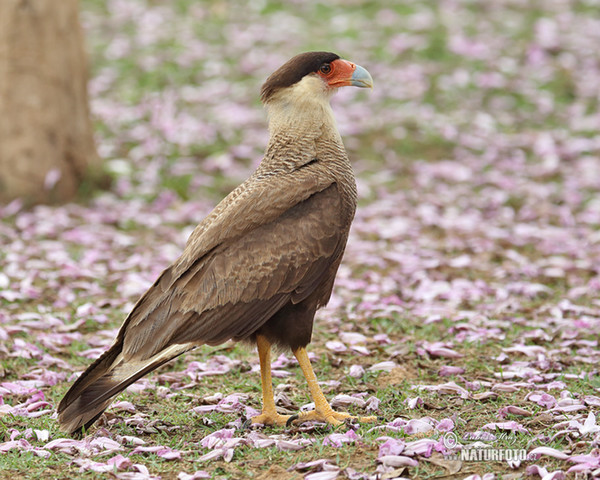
[
  {"x": 64, "y": 443},
  {"x": 568, "y": 408},
  {"x": 513, "y": 410},
  {"x": 356, "y": 371},
  {"x": 259, "y": 439},
  {"x": 264, "y": 442},
  {"x": 582, "y": 467},
  {"x": 343, "y": 400},
  {"x": 504, "y": 387},
  {"x": 39, "y": 413},
  {"x": 160, "y": 450},
  {"x": 536, "y": 470},
  {"x": 549, "y": 451},
  {"x": 592, "y": 400},
  {"x": 119, "y": 462},
  {"x": 204, "y": 408},
  {"x": 92, "y": 352},
  {"x": 352, "y": 337},
  {"x": 446, "y": 388},
  {"x": 212, "y": 455},
  {"x": 542, "y": 399},
  {"x": 391, "y": 446},
  {"x": 42, "y": 435},
  {"x": 438, "y": 349},
  {"x": 556, "y": 385},
  {"x": 140, "y": 473},
  {"x": 85, "y": 465},
  {"x": 250, "y": 412},
  {"x": 417, "y": 426},
  {"x": 422, "y": 447},
  {"x": 198, "y": 475},
  {"x": 591, "y": 460},
  {"x": 8, "y": 446},
  {"x": 36, "y": 406},
  {"x": 42, "y": 453},
  {"x": 372, "y": 404},
  {"x": 398, "y": 461},
  {"x": 566, "y": 400},
  {"x": 289, "y": 445},
  {"x": 484, "y": 395},
  {"x": 214, "y": 398},
  {"x": 512, "y": 425},
  {"x": 447, "y": 371},
  {"x": 105, "y": 443},
  {"x": 217, "y": 438},
  {"x": 589, "y": 426},
  {"x": 125, "y": 406},
  {"x": 7, "y": 409},
  {"x": 321, "y": 464},
  {"x": 528, "y": 350},
  {"x": 336, "y": 346},
  {"x": 338, "y": 439},
  {"x": 129, "y": 439},
  {"x": 228, "y": 456},
  {"x": 361, "y": 350},
  {"x": 331, "y": 475},
  {"x": 141, "y": 468},
  {"x": 169, "y": 454},
  {"x": 445, "y": 425},
  {"x": 413, "y": 402},
  {"x": 382, "y": 339},
  {"x": 383, "y": 366}
]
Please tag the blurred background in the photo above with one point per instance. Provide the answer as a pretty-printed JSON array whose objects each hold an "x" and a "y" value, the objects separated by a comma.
[
  {"x": 476, "y": 84},
  {"x": 476, "y": 153},
  {"x": 477, "y": 157}
]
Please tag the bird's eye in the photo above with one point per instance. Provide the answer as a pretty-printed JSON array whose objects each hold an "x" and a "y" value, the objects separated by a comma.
[{"x": 325, "y": 69}]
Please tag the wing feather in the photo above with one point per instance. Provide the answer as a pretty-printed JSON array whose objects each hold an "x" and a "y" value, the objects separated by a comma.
[{"x": 234, "y": 288}]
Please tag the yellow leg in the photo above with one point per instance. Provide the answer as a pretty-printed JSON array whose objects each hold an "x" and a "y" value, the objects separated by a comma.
[
  {"x": 269, "y": 415},
  {"x": 323, "y": 411}
]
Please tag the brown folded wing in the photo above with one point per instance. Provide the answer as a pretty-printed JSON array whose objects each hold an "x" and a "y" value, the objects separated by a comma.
[{"x": 234, "y": 288}]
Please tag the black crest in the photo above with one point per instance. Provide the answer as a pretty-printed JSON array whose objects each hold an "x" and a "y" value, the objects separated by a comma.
[{"x": 294, "y": 70}]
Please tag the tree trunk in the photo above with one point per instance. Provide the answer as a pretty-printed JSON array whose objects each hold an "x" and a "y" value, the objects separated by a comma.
[{"x": 46, "y": 140}]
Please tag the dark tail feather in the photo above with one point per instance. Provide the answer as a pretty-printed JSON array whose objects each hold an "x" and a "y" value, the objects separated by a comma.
[{"x": 95, "y": 389}]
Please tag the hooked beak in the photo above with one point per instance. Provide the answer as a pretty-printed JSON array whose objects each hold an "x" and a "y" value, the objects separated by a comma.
[
  {"x": 361, "y": 78},
  {"x": 348, "y": 74}
]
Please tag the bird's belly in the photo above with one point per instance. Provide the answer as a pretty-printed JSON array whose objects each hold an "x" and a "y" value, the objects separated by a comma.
[{"x": 292, "y": 325}]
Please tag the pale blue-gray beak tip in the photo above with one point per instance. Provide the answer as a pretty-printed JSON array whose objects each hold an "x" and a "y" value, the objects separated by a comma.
[{"x": 361, "y": 78}]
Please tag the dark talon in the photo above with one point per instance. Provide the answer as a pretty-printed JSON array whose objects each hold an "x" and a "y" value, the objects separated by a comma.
[
  {"x": 291, "y": 420},
  {"x": 352, "y": 422},
  {"x": 246, "y": 424}
]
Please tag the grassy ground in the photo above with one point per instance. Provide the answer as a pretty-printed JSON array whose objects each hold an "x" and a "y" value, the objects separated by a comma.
[{"x": 466, "y": 311}]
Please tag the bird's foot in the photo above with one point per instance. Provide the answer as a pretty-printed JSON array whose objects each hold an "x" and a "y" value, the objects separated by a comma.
[
  {"x": 268, "y": 418},
  {"x": 329, "y": 416}
]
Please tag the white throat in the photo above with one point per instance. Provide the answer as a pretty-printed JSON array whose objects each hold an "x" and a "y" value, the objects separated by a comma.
[{"x": 302, "y": 107}]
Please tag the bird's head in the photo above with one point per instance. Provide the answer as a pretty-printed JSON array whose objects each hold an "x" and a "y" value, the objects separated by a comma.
[{"x": 313, "y": 75}]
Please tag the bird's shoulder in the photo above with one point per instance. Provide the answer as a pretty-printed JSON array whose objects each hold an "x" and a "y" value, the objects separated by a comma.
[{"x": 259, "y": 200}]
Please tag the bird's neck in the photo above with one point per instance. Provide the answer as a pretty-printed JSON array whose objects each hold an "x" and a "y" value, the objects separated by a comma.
[
  {"x": 304, "y": 134},
  {"x": 301, "y": 131}
]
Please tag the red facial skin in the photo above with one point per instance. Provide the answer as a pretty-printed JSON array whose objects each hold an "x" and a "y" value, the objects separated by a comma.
[{"x": 340, "y": 74}]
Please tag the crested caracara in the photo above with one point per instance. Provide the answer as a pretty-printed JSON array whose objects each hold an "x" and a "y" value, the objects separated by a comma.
[{"x": 262, "y": 262}]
